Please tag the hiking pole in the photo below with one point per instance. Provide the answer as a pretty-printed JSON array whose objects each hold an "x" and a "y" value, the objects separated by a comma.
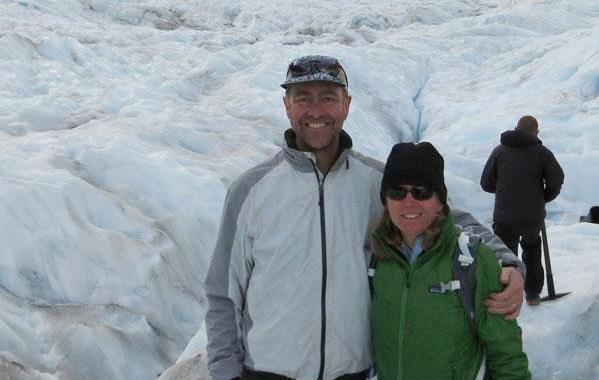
[{"x": 550, "y": 286}]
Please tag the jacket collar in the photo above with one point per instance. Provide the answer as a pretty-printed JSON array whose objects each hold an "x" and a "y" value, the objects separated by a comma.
[
  {"x": 447, "y": 234},
  {"x": 518, "y": 139},
  {"x": 304, "y": 161}
]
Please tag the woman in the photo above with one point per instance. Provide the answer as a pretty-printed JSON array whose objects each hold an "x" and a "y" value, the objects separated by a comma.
[{"x": 421, "y": 333}]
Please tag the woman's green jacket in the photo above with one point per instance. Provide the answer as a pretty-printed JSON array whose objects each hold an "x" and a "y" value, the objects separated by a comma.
[{"x": 422, "y": 335}]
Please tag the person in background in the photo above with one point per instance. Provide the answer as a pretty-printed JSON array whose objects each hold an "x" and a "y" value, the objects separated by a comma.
[
  {"x": 524, "y": 175},
  {"x": 592, "y": 216},
  {"x": 287, "y": 287},
  {"x": 420, "y": 328}
]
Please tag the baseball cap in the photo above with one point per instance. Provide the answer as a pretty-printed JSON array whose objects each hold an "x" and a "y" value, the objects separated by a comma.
[{"x": 315, "y": 68}]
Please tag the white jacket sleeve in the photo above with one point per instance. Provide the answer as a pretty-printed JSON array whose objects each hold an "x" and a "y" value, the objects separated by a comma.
[
  {"x": 468, "y": 223},
  {"x": 225, "y": 285}
]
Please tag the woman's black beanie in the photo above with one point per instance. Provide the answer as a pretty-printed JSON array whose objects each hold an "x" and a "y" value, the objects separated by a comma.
[{"x": 414, "y": 164}]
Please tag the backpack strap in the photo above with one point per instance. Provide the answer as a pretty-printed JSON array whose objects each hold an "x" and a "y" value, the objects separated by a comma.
[{"x": 464, "y": 270}]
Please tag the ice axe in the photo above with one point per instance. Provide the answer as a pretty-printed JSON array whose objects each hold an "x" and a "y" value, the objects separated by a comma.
[{"x": 550, "y": 287}]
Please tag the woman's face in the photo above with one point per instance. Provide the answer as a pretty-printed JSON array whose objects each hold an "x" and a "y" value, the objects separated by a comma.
[{"x": 412, "y": 217}]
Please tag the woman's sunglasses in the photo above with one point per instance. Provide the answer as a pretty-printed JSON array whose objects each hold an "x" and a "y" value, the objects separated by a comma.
[{"x": 419, "y": 193}]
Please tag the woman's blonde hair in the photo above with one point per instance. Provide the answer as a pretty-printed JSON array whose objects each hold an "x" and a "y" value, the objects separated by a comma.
[{"x": 392, "y": 235}]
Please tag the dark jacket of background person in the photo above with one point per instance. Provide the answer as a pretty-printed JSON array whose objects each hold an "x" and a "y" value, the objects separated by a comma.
[{"x": 524, "y": 175}]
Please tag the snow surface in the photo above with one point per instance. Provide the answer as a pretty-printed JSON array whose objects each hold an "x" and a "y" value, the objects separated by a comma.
[{"x": 122, "y": 123}]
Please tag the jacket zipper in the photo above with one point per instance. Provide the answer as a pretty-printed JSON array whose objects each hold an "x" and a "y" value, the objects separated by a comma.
[
  {"x": 402, "y": 323},
  {"x": 323, "y": 244}
]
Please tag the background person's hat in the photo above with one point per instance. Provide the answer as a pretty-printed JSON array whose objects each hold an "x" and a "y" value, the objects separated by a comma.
[
  {"x": 315, "y": 68},
  {"x": 415, "y": 164}
]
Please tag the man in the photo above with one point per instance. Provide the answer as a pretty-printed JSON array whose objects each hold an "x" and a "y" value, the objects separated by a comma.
[
  {"x": 287, "y": 288},
  {"x": 524, "y": 175}
]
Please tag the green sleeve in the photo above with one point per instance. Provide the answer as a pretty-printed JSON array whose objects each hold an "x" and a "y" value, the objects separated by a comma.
[{"x": 505, "y": 358}]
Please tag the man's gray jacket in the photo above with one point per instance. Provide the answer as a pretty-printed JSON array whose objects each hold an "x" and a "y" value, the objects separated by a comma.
[{"x": 287, "y": 287}]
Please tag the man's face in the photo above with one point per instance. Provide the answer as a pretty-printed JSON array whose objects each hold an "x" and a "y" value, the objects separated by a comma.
[{"x": 316, "y": 112}]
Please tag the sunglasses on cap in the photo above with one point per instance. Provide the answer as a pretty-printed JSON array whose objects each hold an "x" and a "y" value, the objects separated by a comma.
[
  {"x": 315, "y": 68},
  {"x": 419, "y": 193}
]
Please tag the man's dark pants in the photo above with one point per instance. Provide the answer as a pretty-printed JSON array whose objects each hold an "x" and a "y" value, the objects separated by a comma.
[
  {"x": 249, "y": 374},
  {"x": 527, "y": 234}
]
